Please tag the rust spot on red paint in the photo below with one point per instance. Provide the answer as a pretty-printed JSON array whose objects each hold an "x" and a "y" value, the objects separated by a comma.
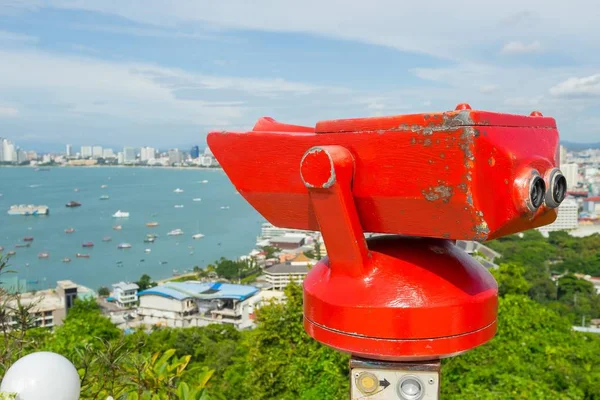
[
  {"x": 442, "y": 155},
  {"x": 492, "y": 161},
  {"x": 441, "y": 192},
  {"x": 427, "y": 142}
]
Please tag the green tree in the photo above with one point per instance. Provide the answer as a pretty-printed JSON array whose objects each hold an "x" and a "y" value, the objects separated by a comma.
[
  {"x": 145, "y": 282},
  {"x": 510, "y": 279},
  {"x": 103, "y": 291}
]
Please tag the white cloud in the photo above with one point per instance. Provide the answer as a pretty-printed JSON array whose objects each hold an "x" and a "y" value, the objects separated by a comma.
[
  {"x": 8, "y": 37},
  {"x": 522, "y": 48},
  {"x": 486, "y": 89},
  {"x": 6, "y": 112},
  {"x": 578, "y": 87}
]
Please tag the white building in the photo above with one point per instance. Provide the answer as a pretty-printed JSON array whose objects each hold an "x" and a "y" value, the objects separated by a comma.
[
  {"x": 125, "y": 294},
  {"x": 191, "y": 303},
  {"x": 50, "y": 306},
  {"x": 570, "y": 171},
  {"x": 175, "y": 156},
  {"x": 97, "y": 152},
  {"x": 108, "y": 153},
  {"x": 9, "y": 153},
  {"x": 568, "y": 214},
  {"x": 86, "y": 151},
  {"x": 147, "y": 153},
  {"x": 69, "y": 151},
  {"x": 280, "y": 275},
  {"x": 563, "y": 155},
  {"x": 206, "y": 161},
  {"x": 128, "y": 155},
  {"x": 120, "y": 158}
]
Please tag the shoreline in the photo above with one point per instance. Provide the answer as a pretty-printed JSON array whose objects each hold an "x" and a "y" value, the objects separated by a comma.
[{"x": 113, "y": 166}]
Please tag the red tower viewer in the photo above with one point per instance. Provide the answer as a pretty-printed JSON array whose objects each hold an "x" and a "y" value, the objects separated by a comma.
[{"x": 427, "y": 179}]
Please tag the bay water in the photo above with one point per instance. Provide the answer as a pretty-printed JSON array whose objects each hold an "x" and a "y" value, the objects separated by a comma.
[{"x": 229, "y": 224}]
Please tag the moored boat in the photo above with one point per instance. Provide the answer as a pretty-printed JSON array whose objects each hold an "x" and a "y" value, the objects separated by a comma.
[
  {"x": 152, "y": 224},
  {"x": 20, "y": 246},
  {"x": 197, "y": 236},
  {"x": 28, "y": 239},
  {"x": 73, "y": 204},
  {"x": 117, "y": 227},
  {"x": 43, "y": 255},
  {"x": 149, "y": 240},
  {"x": 178, "y": 190},
  {"x": 197, "y": 199},
  {"x": 104, "y": 197},
  {"x": 87, "y": 244},
  {"x": 11, "y": 253},
  {"x": 175, "y": 232},
  {"x": 106, "y": 239},
  {"x": 121, "y": 214},
  {"x": 124, "y": 246},
  {"x": 69, "y": 230},
  {"x": 1, "y": 249},
  {"x": 80, "y": 255},
  {"x": 66, "y": 260},
  {"x": 28, "y": 210}
]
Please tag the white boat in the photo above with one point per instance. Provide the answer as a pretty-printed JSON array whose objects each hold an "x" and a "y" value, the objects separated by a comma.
[
  {"x": 204, "y": 181},
  {"x": 148, "y": 250},
  {"x": 197, "y": 199},
  {"x": 124, "y": 246},
  {"x": 179, "y": 206},
  {"x": 28, "y": 210},
  {"x": 104, "y": 197},
  {"x": 178, "y": 190},
  {"x": 103, "y": 186},
  {"x": 224, "y": 207},
  {"x": 197, "y": 236},
  {"x": 175, "y": 232},
  {"x": 121, "y": 214}
]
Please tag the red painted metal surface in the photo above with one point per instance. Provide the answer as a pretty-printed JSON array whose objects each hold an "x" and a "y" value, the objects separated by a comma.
[
  {"x": 453, "y": 175},
  {"x": 457, "y": 175}
]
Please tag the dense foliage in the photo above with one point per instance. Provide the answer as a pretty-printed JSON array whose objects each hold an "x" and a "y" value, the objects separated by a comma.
[{"x": 535, "y": 354}]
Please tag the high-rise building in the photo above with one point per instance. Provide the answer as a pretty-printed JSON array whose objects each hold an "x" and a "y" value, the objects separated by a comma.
[
  {"x": 128, "y": 155},
  {"x": 108, "y": 153},
  {"x": 9, "y": 153},
  {"x": 208, "y": 152},
  {"x": 86, "y": 151},
  {"x": 195, "y": 152},
  {"x": 97, "y": 152},
  {"x": 570, "y": 171},
  {"x": 1, "y": 149},
  {"x": 175, "y": 156},
  {"x": 563, "y": 155},
  {"x": 147, "y": 153},
  {"x": 120, "y": 158},
  {"x": 568, "y": 213},
  {"x": 69, "y": 151},
  {"x": 21, "y": 156}
]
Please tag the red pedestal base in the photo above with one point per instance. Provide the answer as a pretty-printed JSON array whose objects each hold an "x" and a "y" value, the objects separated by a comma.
[{"x": 419, "y": 299}]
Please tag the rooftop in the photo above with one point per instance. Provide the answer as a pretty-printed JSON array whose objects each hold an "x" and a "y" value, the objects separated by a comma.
[
  {"x": 125, "y": 286},
  {"x": 201, "y": 290},
  {"x": 287, "y": 268}
]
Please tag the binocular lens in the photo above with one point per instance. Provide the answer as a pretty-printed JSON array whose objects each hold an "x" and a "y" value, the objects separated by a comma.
[
  {"x": 559, "y": 190},
  {"x": 537, "y": 192}
]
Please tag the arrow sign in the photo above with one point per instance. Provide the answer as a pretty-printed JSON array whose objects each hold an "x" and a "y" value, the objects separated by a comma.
[{"x": 384, "y": 383}]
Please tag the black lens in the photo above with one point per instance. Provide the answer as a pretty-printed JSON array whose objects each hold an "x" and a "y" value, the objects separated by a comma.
[
  {"x": 559, "y": 188},
  {"x": 537, "y": 191}
]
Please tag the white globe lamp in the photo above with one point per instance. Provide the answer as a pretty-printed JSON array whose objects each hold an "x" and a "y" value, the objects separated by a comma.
[{"x": 42, "y": 375}]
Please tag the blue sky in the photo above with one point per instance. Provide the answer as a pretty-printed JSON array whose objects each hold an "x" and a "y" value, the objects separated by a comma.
[{"x": 164, "y": 73}]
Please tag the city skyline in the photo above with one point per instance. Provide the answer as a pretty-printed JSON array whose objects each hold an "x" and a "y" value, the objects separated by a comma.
[{"x": 166, "y": 75}]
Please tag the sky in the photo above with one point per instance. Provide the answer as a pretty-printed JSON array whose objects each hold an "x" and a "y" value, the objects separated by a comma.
[{"x": 164, "y": 73}]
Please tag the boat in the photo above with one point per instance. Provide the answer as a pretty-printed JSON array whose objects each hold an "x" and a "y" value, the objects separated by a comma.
[
  {"x": 197, "y": 236},
  {"x": 69, "y": 230},
  {"x": 28, "y": 239},
  {"x": 66, "y": 260},
  {"x": 224, "y": 207},
  {"x": 142, "y": 260},
  {"x": 151, "y": 224},
  {"x": 204, "y": 181},
  {"x": 179, "y": 206},
  {"x": 103, "y": 186},
  {"x": 87, "y": 244},
  {"x": 148, "y": 250},
  {"x": 104, "y": 197},
  {"x": 11, "y": 253},
  {"x": 79, "y": 255},
  {"x": 106, "y": 239},
  {"x": 121, "y": 214},
  {"x": 124, "y": 246},
  {"x": 42, "y": 169},
  {"x": 73, "y": 204},
  {"x": 178, "y": 190},
  {"x": 20, "y": 246},
  {"x": 164, "y": 262},
  {"x": 117, "y": 227},
  {"x": 43, "y": 255},
  {"x": 175, "y": 232},
  {"x": 1, "y": 249},
  {"x": 76, "y": 190},
  {"x": 27, "y": 210},
  {"x": 197, "y": 199},
  {"x": 149, "y": 240}
]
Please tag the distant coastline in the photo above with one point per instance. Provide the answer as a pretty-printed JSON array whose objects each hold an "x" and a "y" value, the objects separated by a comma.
[{"x": 111, "y": 166}]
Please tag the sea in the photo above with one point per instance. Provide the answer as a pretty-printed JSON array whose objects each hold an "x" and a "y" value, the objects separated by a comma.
[{"x": 229, "y": 225}]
